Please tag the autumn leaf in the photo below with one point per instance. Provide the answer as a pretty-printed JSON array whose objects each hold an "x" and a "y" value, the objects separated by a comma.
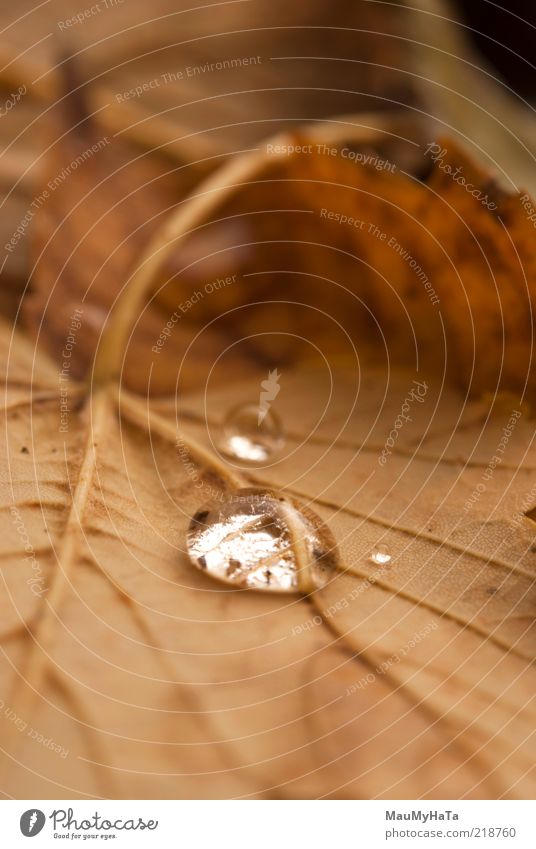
[
  {"x": 423, "y": 272},
  {"x": 128, "y": 672},
  {"x": 411, "y": 679},
  {"x": 147, "y": 679},
  {"x": 388, "y": 260}
]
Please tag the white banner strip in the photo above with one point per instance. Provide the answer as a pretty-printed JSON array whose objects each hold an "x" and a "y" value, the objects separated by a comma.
[{"x": 270, "y": 824}]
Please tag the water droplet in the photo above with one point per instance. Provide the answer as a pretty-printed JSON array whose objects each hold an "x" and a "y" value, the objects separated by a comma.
[
  {"x": 380, "y": 555},
  {"x": 250, "y": 541},
  {"x": 252, "y": 434}
]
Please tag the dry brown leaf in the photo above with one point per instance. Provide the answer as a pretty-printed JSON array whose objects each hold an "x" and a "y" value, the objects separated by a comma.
[
  {"x": 97, "y": 221},
  {"x": 145, "y": 679},
  {"x": 415, "y": 680},
  {"x": 408, "y": 278},
  {"x": 424, "y": 272}
]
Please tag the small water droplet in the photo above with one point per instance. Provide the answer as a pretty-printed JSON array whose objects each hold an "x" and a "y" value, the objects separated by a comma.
[
  {"x": 251, "y": 434},
  {"x": 247, "y": 541},
  {"x": 380, "y": 555}
]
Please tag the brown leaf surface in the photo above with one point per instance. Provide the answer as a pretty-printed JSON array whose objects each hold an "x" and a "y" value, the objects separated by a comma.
[
  {"x": 156, "y": 682},
  {"x": 412, "y": 680},
  {"x": 464, "y": 577}
]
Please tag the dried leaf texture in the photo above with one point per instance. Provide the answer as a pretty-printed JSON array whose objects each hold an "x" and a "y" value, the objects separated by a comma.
[
  {"x": 396, "y": 306},
  {"x": 159, "y": 683},
  {"x": 462, "y": 571}
]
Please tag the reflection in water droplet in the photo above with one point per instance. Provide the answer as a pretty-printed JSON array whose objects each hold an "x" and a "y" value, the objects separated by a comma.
[
  {"x": 380, "y": 555},
  {"x": 247, "y": 541},
  {"x": 251, "y": 435}
]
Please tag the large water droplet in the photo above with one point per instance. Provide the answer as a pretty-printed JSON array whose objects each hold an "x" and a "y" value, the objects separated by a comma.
[
  {"x": 380, "y": 555},
  {"x": 251, "y": 541},
  {"x": 251, "y": 433}
]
